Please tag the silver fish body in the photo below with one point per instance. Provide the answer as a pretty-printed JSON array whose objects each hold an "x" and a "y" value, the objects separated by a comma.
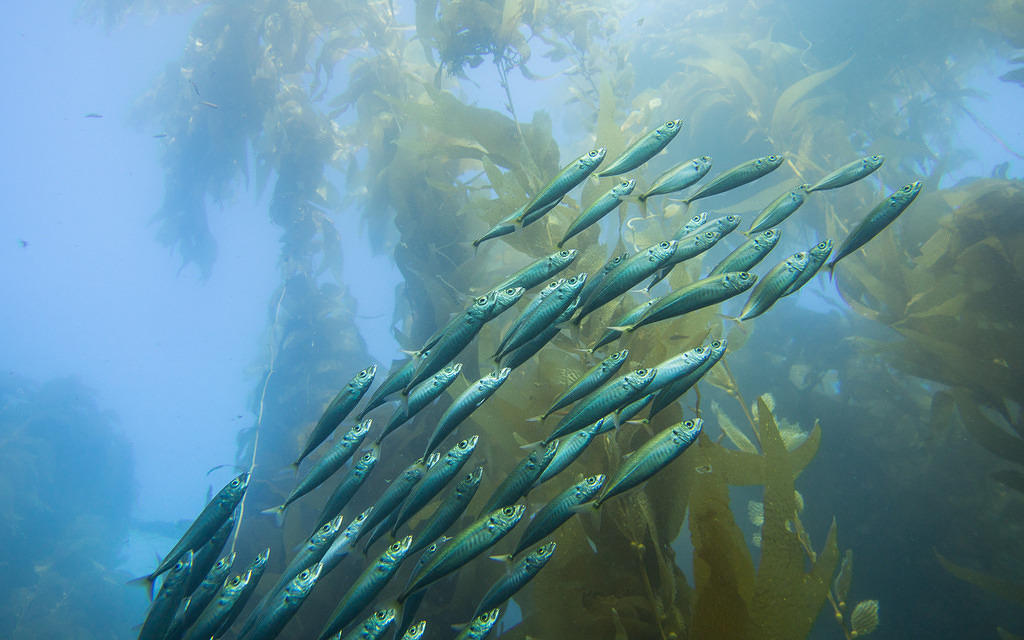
[
  {"x": 255, "y": 570},
  {"x": 515, "y": 579},
  {"x": 367, "y": 586},
  {"x": 395, "y": 382},
  {"x": 738, "y": 176},
  {"x": 540, "y": 270},
  {"x": 849, "y": 173},
  {"x": 569, "y": 448},
  {"x": 206, "y": 524},
  {"x": 697, "y": 295},
  {"x": 817, "y": 256},
  {"x": 521, "y": 479},
  {"x": 343, "y": 544},
  {"x": 373, "y": 627},
  {"x": 480, "y": 626},
  {"x": 350, "y": 484},
  {"x": 416, "y": 631},
  {"x": 397, "y": 491},
  {"x": 544, "y": 315},
  {"x": 774, "y": 284},
  {"x": 471, "y": 542},
  {"x": 453, "y": 506},
  {"x": 206, "y": 556},
  {"x": 285, "y": 604},
  {"x": 630, "y": 317},
  {"x": 748, "y": 254},
  {"x": 592, "y": 379},
  {"x": 218, "y": 610},
  {"x": 599, "y": 209},
  {"x": 676, "y": 367},
  {"x": 673, "y": 390},
  {"x": 204, "y": 594},
  {"x": 542, "y": 296},
  {"x": 877, "y": 219},
  {"x": 567, "y": 179},
  {"x": 420, "y": 396},
  {"x": 610, "y": 397},
  {"x": 648, "y": 146},
  {"x": 650, "y": 458},
  {"x": 435, "y": 480},
  {"x": 688, "y": 247},
  {"x": 629, "y": 274},
  {"x": 595, "y": 279},
  {"x": 335, "y": 458},
  {"x": 412, "y": 603},
  {"x": 780, "y": 209},
  {"x": 465, "y": 405},
  {"x": 683, "y": 175},
  {"x": 338, "y": 410},
  {"x": 526, "y": 351},
  {"x": 724, "y": 225},
  {"x": 161, "y": 612},
  {"x": 508, "y": 223},
  {"x": 557, "y": 512}
]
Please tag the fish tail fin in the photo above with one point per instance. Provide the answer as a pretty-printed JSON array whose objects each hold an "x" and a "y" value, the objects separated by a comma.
[
  {"x": 277, "y": 512},
  {"x": 539, "y": 418},
  {"x": 294, "y": 467},
  {"x": 530, "y": 446},
  {"x": 502, "y": 557},
  {"x": 145, "y": 581},
  {"x": 623, "y": 328},
  {"x": 831, "y": 271}
]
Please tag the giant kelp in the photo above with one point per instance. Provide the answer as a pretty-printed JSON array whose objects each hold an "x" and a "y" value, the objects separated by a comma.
[{"x": 429, "y": 168}]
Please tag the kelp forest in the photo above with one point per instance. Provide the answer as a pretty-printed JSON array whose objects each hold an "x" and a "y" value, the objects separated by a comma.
[{"x": 861, "y": 466}]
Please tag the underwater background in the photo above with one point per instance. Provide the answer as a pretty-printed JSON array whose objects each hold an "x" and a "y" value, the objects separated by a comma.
[{"x": 217, "y": 213}]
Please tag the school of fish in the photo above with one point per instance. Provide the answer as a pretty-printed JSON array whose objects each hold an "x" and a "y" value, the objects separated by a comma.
[{"x": 198, "y": 599}]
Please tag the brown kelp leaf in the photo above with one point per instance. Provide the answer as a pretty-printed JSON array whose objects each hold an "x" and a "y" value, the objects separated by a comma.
[
  {"x": 786, "y": 599},
  {"x": 723, "y": 573},
  {"x": 985, "y": 432},
  {"x": 1001, "y": 587},
  {"x": 783, "y": 116},
  {"x": 731, "y": 431}
]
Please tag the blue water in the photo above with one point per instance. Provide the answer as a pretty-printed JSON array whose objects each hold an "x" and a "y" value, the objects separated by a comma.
[{"x": 131, "y": 372}]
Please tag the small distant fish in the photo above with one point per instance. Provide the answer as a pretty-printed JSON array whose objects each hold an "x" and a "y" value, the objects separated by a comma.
[
  {"x": 849, "y": 173},
  {"x": 23, "y": 243},
  {"x": 159, "y": 135},
  {"x": 877, "y": 219},
  {"x": 94, "y": 115},
  {"x": 209, "y": 104},
  {"x": 648, "y": 146},
  {"x": 738, "y": 176}
]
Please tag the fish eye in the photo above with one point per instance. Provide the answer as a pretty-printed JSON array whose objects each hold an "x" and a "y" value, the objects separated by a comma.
[
  {"x": 563, "y": 253},
  {"x": 367, "y": 457},
  {"x": 773, "y": 158},
  {"x": 876, "y": 158},
  {"x": 688, "y": 424},
  {"x": 670, "y": 124},
  {"x": 594, "y": 153},
  {"x": 716, "y": 344},
  {"x": 907, "y": 187},
  {"x": 481, "y": 301},
  {"x": 237, "y": 580},
  {"x": 508, "y": 511},
  {"x": 396, "y": 547},
  {"x": 304, "y": 575},
  {"x": 663, "y": 245},
  {"x": 821, "y": 245},
  {"x": 234, "y": 483},
  {"x": 464, "y": 444},
  {"x": 381, "y": 615},
  {"x": 744, "y": 275},
  {"x": 592, "y": 480},
  {"x": 731, "y": 218},
  {"x": 641, "y": 372},
  {"x": 769, "y": 233}
]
